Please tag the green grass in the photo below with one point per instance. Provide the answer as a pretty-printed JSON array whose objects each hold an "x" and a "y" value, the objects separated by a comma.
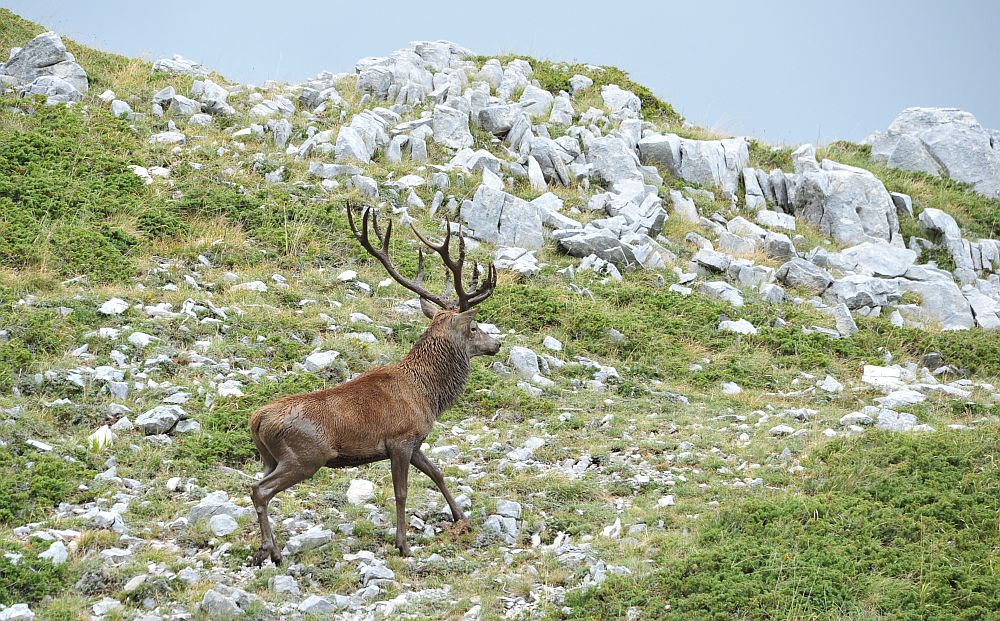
[
  {"x": 30, "y": 579},
  {"x": 666, "y": 332},
  {"x": 64, "y": 185},
  {"x": 887, "y": 526}
]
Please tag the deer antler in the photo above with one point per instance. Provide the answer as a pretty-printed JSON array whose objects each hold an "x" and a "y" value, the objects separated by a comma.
[
  {"x": 382, "y": 254},
  {"x": 466, "y": 299}
]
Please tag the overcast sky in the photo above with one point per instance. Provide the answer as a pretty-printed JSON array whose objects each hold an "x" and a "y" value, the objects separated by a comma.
[{"x": 785, "y": 71}]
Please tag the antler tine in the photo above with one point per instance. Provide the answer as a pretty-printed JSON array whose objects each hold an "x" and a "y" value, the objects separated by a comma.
[
  {"x": 388, "y": 235},
  {"x": 383, "y": 255},
  {"x": 444, "y": 251},
  {"x": 486, "y": 290},
  {"x": 476, "y": 273},
  {"x": 420, "y": 266}
]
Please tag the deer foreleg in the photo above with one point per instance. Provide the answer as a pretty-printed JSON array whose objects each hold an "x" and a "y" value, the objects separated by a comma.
[{"x": 399, "y": 458}]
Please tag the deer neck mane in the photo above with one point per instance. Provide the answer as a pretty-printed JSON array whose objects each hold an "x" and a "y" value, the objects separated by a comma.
[{"x": 440, "y": 368}]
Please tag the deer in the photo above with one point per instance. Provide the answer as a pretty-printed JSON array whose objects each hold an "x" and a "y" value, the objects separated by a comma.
[{"x": 386, "y": 412}]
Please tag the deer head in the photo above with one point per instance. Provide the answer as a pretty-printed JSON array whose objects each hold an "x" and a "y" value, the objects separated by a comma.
[{"x": 454, "y": 318}]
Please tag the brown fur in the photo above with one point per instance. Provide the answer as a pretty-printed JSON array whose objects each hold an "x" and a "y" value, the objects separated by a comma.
[{"x": 385, "y": 413}]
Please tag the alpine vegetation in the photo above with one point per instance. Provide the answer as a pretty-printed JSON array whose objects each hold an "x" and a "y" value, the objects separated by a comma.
[{"x": 649, "y": 371}]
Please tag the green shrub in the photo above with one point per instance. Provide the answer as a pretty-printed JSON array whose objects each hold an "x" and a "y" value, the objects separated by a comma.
[
  {"x": 29, "y": 579},
  {"x": 19, "y": 231},
  {"x": 31, "y": 484},
  {"x": 63, "y": 174},
  {"x": 98, "y": 252},
  {"x": 162, "y": 222},
  {"x": 889, "y": 526},
  {"x": 30, "y": 333}
]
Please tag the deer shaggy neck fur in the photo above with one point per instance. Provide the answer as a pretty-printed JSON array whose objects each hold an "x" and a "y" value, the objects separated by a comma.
[{"x": 439, "y": 364}]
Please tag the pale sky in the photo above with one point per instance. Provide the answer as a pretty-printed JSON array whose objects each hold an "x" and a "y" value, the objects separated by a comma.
[{"x": 784, "y": 71}]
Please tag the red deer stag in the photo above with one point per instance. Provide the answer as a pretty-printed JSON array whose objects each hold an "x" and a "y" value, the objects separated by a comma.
[{"x": 385, "y": 413}]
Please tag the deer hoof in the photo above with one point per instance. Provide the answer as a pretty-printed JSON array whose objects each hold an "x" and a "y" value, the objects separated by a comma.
[
  {"x": 264, "y": 553},
  {"x": 404, "y": 550},
  {"x": 460, "y": 526}
]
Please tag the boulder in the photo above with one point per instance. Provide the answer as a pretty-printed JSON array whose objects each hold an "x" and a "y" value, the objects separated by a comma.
[
  {"x": 722, "y": 291},
  {"x": 518, "y": 260},
  {"x": 941, "y": 141},
  {"x": 985, "y": 309},
  {"x": 55, "y": 90},
  {"x": 939, "y": 223},
  {"x": 549, "y": 156},
  {"x": 714, "y": 163},
  {"x": 579, "y": 83},
  {"x": 562, "y": 110},
  {"x": 46, "y": 56},
  {"x": 451, "y": 127},
  {"x": 599, "y": 242},
  {"x": 615, "y": 164},
  {"x": 499, "y": 119},
  {"x": 941, "y": 303},
  {"x": 178, "y": 65},
  {"x": 160, "y": 419},
  {"x": 183, "y": 106},
  {"x": 848, "y": 204},
  {"x": 121, "y": 109},
  {"x": 684, "y": 207},
  {"x": 620, "y": 102},
  {"x": 213, "y": 504},
  {"x": 803, "y": 274},
  {"x": 844, "y": 320},
  {"x": 858, "y": 290},
  {"x": 225, "y": 603},
  {"x": 536, "y": 101},
  {"x": 350, "y": 146},
  {"x": 878, "y": 259},
  {"x": 502, "y": 219}
]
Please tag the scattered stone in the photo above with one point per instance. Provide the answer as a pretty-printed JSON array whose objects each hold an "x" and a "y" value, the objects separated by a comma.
[
  {"x": 360, "y": 491},
  {"x": 320, "y": 360},
  {"x": 222, "y": 524},
  {"x": 311, "y": 539},
  {"x": 160, "y": 419},
  {"x": 895, "y": 421},
  {"x": 740, "y": 327},
  {"x": 781, "y": 430}
]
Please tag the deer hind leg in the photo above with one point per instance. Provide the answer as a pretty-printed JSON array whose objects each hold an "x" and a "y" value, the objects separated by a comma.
[
  {"x": 425, "y": 465},
  {"x": 270, "y": 463},
  {"x": 284, "y": 475},
  {"x": 399, "y": 458}
]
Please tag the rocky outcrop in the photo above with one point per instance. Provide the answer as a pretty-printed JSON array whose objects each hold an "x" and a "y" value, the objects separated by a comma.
[
  {"x": 44, "y": 67},
  {"x": 713, "y": 163},
  {"x": 409, "y": 75},
  {"x": 941, "y": 142}
]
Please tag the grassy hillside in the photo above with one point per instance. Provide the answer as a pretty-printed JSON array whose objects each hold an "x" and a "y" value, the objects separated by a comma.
[
  {"x": 887, "y": 528},
  {"x": 876, "y": 525}
]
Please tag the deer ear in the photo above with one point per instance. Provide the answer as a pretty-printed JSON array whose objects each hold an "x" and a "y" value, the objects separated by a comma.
[
  {"x": 465, "y": 318},
  {"x": 429, "y": 308}
]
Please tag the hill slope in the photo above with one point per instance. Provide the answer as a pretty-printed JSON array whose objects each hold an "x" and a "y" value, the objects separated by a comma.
[{"x": 670, "y": 467}]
